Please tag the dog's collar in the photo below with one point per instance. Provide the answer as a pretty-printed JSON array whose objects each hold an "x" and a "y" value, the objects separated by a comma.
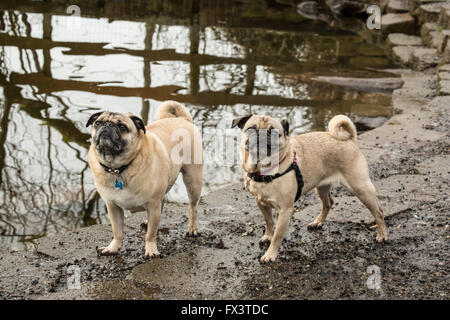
[
  {"x": 259, "y": 177},
  {"x": 116, "y": 171}
]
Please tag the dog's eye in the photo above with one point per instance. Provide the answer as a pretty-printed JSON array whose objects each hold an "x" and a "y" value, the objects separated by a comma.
[
  {"x": 123, "y": 127},
  {"x": 97, "y": 123}
]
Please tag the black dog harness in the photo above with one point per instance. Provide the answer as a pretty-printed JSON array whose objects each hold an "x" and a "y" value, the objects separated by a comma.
[{"x": 258, "y": 177}]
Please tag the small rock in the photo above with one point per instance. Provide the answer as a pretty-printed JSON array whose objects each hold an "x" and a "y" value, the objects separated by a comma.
[
  {"x": 246, "y": 233},
  {"x": 368, "y": 123},
  {"x": 402, "y": 55},
  {"x": 446, "y": 53},
  {"x": 443, "y": 40},
  {"x": 397, "y": 6},
  {"x": 364, "y": 84},
  {"x": 397, "y": 23},
  {"x": 415, "y": 4},
  {"x": 444, "y": 17},
  {"x": 426, "y": 30},
  {"x": 443, "y": 75},
  {"x": 423, "y": 58},
  {"x": 401, "y": 39},
  {"x": 433, "y": 39},
  {"x": 429, "y": 12},
  {"x": 444, "y": 87}
]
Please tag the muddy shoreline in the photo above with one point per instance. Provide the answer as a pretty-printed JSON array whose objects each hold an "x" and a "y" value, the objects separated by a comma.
[{"x": 408, "y": 158}]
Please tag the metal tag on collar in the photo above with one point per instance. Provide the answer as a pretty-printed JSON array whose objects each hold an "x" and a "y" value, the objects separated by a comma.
[{"x": 111, "y": 170}]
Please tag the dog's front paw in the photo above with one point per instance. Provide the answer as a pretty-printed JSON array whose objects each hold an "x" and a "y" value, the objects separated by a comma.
[
  {"x": 315, "y": 225},
  {"x": 151, "y": 251},
  {"x": 193, "y": 232},
  {"x": 269, "y": 256},
  {"x": 265, "y": 239},
  {"x": 112, "y": 249},
  {"x": 382, "y": 237}
]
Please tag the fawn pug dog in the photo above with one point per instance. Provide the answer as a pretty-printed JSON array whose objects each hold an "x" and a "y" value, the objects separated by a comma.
[
  {"x": 134, "y": 166},
  {"x": 304, "y": 162}
]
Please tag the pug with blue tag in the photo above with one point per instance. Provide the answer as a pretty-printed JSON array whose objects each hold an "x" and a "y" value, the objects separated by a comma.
[{"x": 135, "y": 165}]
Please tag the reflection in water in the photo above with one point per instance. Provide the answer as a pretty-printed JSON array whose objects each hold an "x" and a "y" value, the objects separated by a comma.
[{"x": 56, "y": 70}]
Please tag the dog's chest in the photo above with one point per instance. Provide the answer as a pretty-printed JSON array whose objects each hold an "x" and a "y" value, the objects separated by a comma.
[
  {"x": 130, "y": 201},
  {"x": 125, "y": 198},
  {"x": 262, "y": 191},
  {"x": 251, "y": 187}
]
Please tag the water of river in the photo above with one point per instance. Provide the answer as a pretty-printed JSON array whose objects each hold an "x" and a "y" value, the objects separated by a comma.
[{"x": 221, "y": 60}]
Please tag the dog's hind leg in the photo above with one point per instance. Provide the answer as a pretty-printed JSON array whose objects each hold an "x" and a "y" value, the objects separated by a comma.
[
  {"x": 192, "y": 178},
  {"x": 363, "y": 188},
  {"x": 153, "y": 215},
  {"x": 163, "y": 202},
  {"x": 327, "y": 202}
]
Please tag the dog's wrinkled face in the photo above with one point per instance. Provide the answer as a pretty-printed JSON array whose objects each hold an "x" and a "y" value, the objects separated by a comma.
[
  {"x": 115, "y": 134},
  {"x": 262, "y": 141}
]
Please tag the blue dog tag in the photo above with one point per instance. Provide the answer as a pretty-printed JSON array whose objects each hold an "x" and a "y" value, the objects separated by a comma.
[{"x": 119, "y": 184}]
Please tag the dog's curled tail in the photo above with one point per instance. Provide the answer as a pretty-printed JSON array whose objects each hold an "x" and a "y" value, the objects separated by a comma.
[
  {"x": 342, "y": 128},
  {"x": 172, "y": 109}
]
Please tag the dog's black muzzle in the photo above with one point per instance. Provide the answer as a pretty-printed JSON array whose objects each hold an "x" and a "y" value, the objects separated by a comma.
[{"x": 108, "y": 140}]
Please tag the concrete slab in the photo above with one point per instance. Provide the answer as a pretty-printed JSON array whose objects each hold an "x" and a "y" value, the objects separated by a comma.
[
  {"x": 397, "y": 6},
  {"x": 401, "y": 39},
  {"x": 429, "y": 12},
  {"x": 397, "y": 23},
  {"x": 423, "y": 58},
  {"x": 402, "y": 55}
]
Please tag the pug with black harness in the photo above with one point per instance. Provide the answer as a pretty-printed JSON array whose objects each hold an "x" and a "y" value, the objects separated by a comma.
[
  {"x": 289, "y": 167},
  {"x": 135, "y": 165}
]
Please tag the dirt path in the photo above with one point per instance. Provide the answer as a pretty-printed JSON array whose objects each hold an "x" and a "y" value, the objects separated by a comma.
[{"x": 408, "y": 158}]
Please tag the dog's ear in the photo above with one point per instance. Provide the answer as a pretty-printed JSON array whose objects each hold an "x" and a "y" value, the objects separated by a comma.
[
  {"x": 285, "y": 125},
  {"x": 138, "y": 123},
  {"x": 240, "y": 122},
  {"x": 93, "y": 118}
]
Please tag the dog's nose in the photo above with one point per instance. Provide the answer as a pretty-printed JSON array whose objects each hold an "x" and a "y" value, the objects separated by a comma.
[{"x": 109, "y": 124}]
